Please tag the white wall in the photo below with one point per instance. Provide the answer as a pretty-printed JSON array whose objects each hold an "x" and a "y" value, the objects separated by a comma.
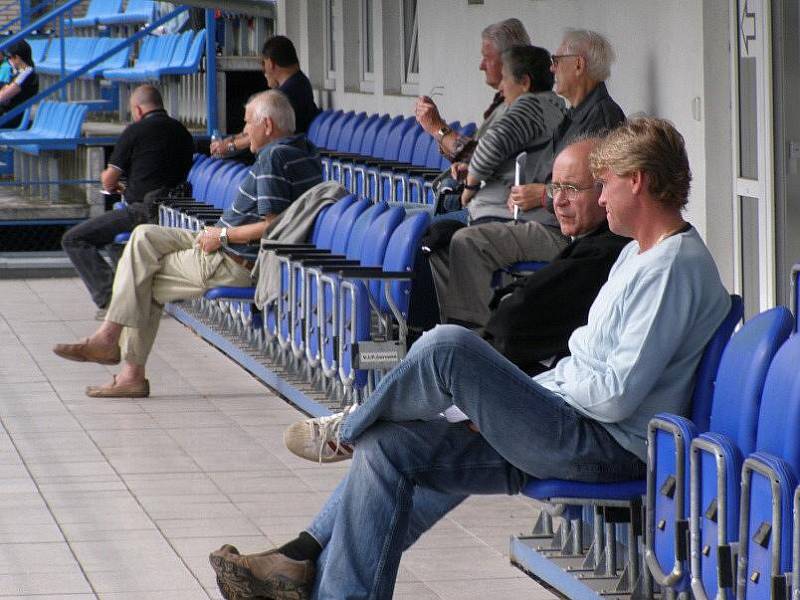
[{"x": 660, "y": 68}]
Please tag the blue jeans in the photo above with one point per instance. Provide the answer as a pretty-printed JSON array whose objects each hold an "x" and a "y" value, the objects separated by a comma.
[{"x": 410, "y": 467}]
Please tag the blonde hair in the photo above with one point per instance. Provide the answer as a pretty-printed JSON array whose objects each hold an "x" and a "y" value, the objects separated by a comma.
[{"x": 652, "y": 146}]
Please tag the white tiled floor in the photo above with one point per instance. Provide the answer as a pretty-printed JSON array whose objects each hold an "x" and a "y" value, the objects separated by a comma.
[{"x": 124, "y": 499}]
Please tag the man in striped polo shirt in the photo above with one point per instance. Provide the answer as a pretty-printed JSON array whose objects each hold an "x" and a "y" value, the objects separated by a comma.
[{"x": 162, "y": 264}]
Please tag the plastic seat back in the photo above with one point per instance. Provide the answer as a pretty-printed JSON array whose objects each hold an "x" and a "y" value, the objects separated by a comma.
[
  {"x": 345, "y": 225},
  {"x": 409, "y": 143},
  {"x": 370, "y": 135},
  {"x": 348, "y": 130},
  {"x": 716, "y": 457},
  {"x": 336, "y": 128},
  {"x": 327, "y": 230},
  {"x": 769, "y": 478},
  {"x": 796, "y": 295},
  {"x": 354, "y": 146},
  {"x": 383, "y": 135},
  {"x": 400, "y": 255},
  {"x": 703, "y": 394},
  {"x": 394, "y": 141},
  {"x": 357, "y": 235},
  {"x": 315, "y": 130}
]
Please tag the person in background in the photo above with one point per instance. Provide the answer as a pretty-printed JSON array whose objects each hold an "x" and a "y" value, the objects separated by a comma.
[
  {"x": 154, "y": 154},
  {"x": 282, "y": 72},
  {"x": 6, "y": 71},
  {"x": 23, "y": 86}
]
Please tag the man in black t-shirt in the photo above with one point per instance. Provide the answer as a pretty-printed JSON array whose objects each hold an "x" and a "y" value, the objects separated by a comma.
[
  {"x": 282, "y": 72},
  {"x": 153, "y": 154}
]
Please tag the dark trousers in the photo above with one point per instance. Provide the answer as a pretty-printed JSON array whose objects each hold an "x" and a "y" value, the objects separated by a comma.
[{"x": 83, "y": 243}]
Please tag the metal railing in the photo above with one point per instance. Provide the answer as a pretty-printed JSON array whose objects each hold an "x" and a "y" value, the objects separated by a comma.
[{"x": 68, "y": 78}]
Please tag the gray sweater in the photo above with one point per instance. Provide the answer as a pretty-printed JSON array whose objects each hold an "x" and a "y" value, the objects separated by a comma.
[{"x": 527, "y": 124}]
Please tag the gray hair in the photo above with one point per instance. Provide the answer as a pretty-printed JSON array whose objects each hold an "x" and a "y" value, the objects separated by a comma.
[
  {"x": 506, "y": 34},
  {"x": 275, "y": 105},
  {"x": 594, "y": 48}
]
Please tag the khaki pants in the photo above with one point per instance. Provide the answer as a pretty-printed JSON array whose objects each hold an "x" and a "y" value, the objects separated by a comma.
[
  {"x": 159, "y": 265},
  {"x": 463, "y": 275}
]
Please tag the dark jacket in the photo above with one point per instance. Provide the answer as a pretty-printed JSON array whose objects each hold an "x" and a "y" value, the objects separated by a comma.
[
  {"x": 533, "y": 317},
  {"x": 597, "y": 113}
]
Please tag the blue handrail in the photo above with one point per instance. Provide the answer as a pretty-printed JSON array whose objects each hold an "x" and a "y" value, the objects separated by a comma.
[
  {"x": 36, "y": 9},
  {"x": 92, "y": 63},
  {"x": 57, "y": 12}
]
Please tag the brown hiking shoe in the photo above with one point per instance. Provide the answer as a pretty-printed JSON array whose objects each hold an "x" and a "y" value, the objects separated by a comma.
[
  {"x": 265, "y": 575},
  {"x": 85, "y": 352}
]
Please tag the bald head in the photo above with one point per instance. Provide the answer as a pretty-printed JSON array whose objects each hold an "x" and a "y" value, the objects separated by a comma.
[
  {"x": 575, "y": 197},
  {"x": 144, "y": 99}
]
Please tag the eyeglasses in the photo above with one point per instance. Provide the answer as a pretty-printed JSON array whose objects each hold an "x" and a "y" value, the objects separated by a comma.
[
  {"x": 555, "y": 58},
  {"x": 570, "y": 191}
]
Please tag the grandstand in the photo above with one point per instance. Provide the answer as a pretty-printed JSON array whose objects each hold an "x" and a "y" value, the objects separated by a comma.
[{"x": 125, "y": 499}]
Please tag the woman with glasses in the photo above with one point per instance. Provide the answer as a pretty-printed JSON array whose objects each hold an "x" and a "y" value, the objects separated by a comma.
[{"x": 533, "y": 113}]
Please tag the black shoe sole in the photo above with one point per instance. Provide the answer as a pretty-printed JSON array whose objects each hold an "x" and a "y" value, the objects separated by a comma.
[{"x": 240, "y": 583}]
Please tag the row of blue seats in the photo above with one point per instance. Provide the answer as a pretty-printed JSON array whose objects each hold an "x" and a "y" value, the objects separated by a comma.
[
  {"x": 57, "y": 125},
  {"x": 174, "y": 54},
  {"x": 719, "y": 486},
  {"x": 109, "y": 12},
  {"x": 383, "y": 158},
  {"x": 159, "y": 56},
  {"x": 80, "y": 50},
  {"x": 318, "y": 339}
]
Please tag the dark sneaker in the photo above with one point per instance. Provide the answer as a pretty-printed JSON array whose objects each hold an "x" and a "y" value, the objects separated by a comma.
[{"x": 269, "y": 575}]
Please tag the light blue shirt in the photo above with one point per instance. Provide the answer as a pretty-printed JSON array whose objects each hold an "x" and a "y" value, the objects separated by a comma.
[{"x": 646, "y": 332}]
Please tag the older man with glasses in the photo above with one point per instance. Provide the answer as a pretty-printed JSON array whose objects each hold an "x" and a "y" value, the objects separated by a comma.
[{"x": 581, "y": 65}]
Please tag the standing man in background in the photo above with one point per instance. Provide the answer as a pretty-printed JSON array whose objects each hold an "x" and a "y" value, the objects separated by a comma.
[{"x": 282, "y": 72}]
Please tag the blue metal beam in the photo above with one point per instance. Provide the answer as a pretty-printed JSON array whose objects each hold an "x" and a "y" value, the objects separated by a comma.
[{"x": 92, "y": 63}]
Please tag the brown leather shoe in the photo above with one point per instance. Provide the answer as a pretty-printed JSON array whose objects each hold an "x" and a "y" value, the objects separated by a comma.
[
  {"x": 115, "y": 390},
  {"x": 265, "y": 575},
  {"x": 84, "y": 352}
]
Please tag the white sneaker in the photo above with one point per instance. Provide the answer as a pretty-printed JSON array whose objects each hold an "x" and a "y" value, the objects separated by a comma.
[{"x": 318, "y": 440}]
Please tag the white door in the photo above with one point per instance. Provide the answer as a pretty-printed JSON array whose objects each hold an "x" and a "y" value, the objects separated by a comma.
[{"x": 754, "y": 207}]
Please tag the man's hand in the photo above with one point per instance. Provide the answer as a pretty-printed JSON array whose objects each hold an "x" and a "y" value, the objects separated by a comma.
[
  {"x": 218, "y": 147},
  {"x": 526, "y": 197},
  {"x": 428, "y": 116},
  {"x": 458, "y": 170},
  {"x": 208, "y": 240}
]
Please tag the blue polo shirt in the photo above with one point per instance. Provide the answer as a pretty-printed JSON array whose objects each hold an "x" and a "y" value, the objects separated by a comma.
[{"x": 283, "y": 171}]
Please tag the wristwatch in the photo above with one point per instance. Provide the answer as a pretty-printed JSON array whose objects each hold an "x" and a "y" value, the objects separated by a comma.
[
  {"x": 472, "y": 188},
  {"x": 223, "y": 236},
  {"x": 443, "y": 132},
  {"x": 231, "y": 147}
]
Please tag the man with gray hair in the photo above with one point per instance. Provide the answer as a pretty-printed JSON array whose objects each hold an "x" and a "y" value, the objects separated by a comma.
[
  {"x": 581, "y": 65},
  {"x": 495, "y": 39},
  {"x": 163, "y": 264}
]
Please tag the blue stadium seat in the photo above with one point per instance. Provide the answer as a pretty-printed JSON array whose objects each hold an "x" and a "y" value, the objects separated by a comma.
[
  {"x": 137, "y": 11},
  {"x": 38, "y": 49},
  {"x": 628, "y": 494},
  {"x": 97, "y": 9},
  {"x": 57, "y": 124},
  {"x": 191, "y": 62},
  {"x": 796, "y": 296},
  {"x": 716, "y": 456},
  {"x": 118, "y": 60},
  {"x": 382, "y": 293},
  {"x": 769, "y": 478}
]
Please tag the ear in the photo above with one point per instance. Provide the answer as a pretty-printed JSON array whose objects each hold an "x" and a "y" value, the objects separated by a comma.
[
  {"x": 580, "y": 64},
  {"x": 527, "y": 81},
  {"x": 269, "y": 126},
  {"x": 638, "y": 182}
]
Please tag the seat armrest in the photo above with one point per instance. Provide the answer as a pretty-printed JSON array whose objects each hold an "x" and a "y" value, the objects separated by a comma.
[{"x": 370, "y": 273}]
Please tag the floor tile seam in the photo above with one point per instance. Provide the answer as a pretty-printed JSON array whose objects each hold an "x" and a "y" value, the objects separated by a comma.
[
  {"x": 121, "y": 478},
  {"x": 52, "y": 514}
]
